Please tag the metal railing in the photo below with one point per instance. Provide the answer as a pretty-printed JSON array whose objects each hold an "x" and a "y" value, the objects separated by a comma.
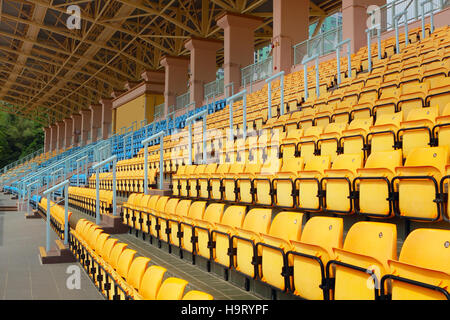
[
  {"x": 182, "y": 101},
  {"x": 159, "y": 111},
  {"x": 321, "y": 44},
  {"x": 255, "y": 72},
  {"x": 214, "y": 88},
  {"x": 413, "y": 11}
]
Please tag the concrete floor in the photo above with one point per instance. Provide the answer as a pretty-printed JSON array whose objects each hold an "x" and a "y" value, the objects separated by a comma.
[{"x": 22, "y": 276}]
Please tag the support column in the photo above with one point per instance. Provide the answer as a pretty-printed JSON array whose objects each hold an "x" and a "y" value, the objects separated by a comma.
[
  {"x": 68, "y": 132},
  {"x": 76, "y": 130},
  {"x": 354, "y": 21},
  {"x": 203, "y": 65},
  {"x": 96, "y": 120},
  {"x": 154, "y": 76},
  {"x": 60, "y": 135},
  {"x": 47, "y": 139},
  {"x": 54, "y": 137},
  {"x": 85, "y": 125},
  {"x": 290, "y": 27},
  {"x": 106, "y": 117},
  {"x": 239, "y": 46},
  {"x": 176, "y": 79}
]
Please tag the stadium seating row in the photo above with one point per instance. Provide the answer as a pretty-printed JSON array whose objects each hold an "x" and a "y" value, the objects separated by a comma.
[
  {"x": 311, "y": 261},
  {"x": 119, "y": 273}
]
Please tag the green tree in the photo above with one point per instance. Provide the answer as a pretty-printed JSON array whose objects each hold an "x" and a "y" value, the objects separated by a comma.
[{"x": 18, "y": 138}]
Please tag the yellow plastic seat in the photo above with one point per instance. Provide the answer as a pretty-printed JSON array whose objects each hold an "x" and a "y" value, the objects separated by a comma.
[
  {"x": 256, "y": 221},
  {"x": 172, "y": 289},
  {"x": 282, "y": 182},
  {"x": 416, "y": 131},
  {"x": 272, "y": 248},
  {"x": 232, "y": 218},
  {"x": 197, "y": 295},
  {"x": 421, "y": 174},
  {"x": 425, "y": 259},
  {"x": 382, "y": 136},
  {"x": 215, "y": 181},
  {"x": 311, "y": 254},
  {"x": 368, "y": 245},
  {"x": 374, "y": 184},
  {"x": 202, "y": 228},
  {"x": 187, "y": 223},
  {"x": 151, "y": 282},
  {"x": 337, "y": 183}
]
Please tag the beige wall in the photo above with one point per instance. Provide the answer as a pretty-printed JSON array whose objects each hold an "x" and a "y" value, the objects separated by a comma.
[{"x": 138, "y": 109}]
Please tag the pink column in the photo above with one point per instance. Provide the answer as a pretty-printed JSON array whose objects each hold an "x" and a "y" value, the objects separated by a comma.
[
  {"x": 85, "y": 125},
  {"x": 203, "y": 65},
  {"x": 354, "y": 21},
  {"x": 76, "y": 130},
  {"x": 154, "y": 76},
  {"x": 239, "y": 44},
  {"x": 60, "y": 137},
  {"x": 290, "y": 27},
  {"x": 47, "y": 138},
  {"x": 96, "y": 120},
  {"x": 54, "y": 137},
  {"x": 106, "y": 117},
  {"x": 68, "y": 133},
  {"x": 176, "y": 79}
]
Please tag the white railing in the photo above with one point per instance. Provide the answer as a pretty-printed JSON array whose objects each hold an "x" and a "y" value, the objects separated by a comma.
[
  {"x": 414, "y": 11},
  {"x": 159, "y": 111},
  {"x": 258, "y": 71},
  {"x": 214, "y": 88},
  {"x": 321, "y": 44},
  {"x": 182, "y": 101}
]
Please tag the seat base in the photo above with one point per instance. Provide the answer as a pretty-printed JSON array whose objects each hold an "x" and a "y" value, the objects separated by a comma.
[{"x": 60, "y": 254}]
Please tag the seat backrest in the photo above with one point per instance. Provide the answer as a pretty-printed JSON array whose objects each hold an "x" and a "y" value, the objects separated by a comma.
[
  {"x": 385, "y": 159},
  {"x": 200, "y": 169},
  {"x": 214, "y": 212},
  {"x": 152, "y": 202},
  {"x": 124, "y": 262},
  {"x": 183, "y": 207},
  {"x": 131, "y": 198},
  {"x": 151, "y": 282},
  {"x": 137, "y": 199},
  {"x": 197, "y": 210},
  {"x": 211, "y": 168},
  {"x": 171, "y": 206},
  {"x": 197, "y": 295},
  {"x": 161, "y": 204},
  {"x": 172, "y": 289},
  {"x": 287, "y": 225},
  {"x": 434, "y": 157},
  {"x": 223, "y": 168},
  {"x": 429, "y": 113},
  {"x": 234, "y": 216},
  {"x": 253, "y": 168},
  {"x": 107, "y": 248},
  {"x": 326, "y": 232},
  {"x": 136, "y": 271},
  {"x": 258, "y": 220},
  {"x": 101, "y": 242},
  {"x": 360, "y": 124},
  {"x": 313, "y": 131},
  {"x": 375, "y": 239},
  {"x": 427, "y": 248},
  {"x": 335, "y": 127},
  {"x": 116, "y": 253},
  {"x": 348, "y": 161},
  {"x": 318, "y": 163},
  {"x": 292, "y": 165},
  {"x": 389, "y": 118},
  {"x": 237, "y": 168}
]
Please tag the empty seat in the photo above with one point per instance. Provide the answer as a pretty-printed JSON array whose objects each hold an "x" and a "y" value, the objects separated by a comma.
[
  {"x": 421, "y": 174},
  {"x": 362, "y": 261},
  {"x": 311, "y": 254},
  {"x": 422, "y": 270},
  {"x": 197, "y": 295},
  {"x": 172, "y": 289}
]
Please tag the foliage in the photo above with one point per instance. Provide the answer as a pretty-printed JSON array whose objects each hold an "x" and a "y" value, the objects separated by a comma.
[{"x": 18, "y": 138}]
